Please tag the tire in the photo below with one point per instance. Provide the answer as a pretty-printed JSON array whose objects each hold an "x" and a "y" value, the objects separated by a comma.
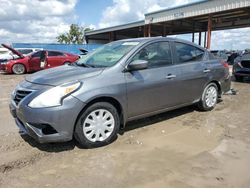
[
  {"x": 86, "y": 130},
  {"x": 239, "y": 78},
  {"x": 209, "y": 97},
  {"x": 66, "y": 63},
  {"x": 18, "y": 68}
]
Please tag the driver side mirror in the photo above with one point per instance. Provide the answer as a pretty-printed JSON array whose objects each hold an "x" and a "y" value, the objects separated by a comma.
[{"x": 137, "y": 65}]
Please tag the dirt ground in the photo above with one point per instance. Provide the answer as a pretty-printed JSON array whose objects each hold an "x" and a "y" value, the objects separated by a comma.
[{"x": 184, "y": 148}]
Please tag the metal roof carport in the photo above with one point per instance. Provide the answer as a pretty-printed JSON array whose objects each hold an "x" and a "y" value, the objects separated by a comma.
[{"x": 204, "y": 16}]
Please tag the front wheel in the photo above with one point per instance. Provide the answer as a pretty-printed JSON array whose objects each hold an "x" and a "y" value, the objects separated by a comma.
[
  {"x": 209, "y": 97},
  {"x": 97, "y": 125},
  {"x": 18, "y": 68}
]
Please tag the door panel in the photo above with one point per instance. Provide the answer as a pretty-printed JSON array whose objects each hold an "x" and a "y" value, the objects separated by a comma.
[
  {"x": 150, "y": 90},
  {"x": 55, "y": 59},
  {"x": 154, "y": 88},
  {"x": 34, "y": 61},
  {"x": 194, "y": 70},
  {"x": 192, "y": 80}
]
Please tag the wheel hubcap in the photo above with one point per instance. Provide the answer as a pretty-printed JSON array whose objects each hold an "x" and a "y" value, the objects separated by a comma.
[
  {"x": 211, "y": 96},
  {"x": 19, "y": 68},
  {"x": 98, "y": 125}
]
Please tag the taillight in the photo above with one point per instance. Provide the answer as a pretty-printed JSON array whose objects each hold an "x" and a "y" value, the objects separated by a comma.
[{"x": 225, "y": 64}]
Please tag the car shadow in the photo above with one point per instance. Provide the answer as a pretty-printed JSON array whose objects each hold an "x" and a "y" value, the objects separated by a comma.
[
  {"x": 50, "y": 147},
  {"x": 157, "y": 118}
]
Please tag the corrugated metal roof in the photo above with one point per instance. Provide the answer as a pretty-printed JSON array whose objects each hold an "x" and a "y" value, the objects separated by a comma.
[
  {"x": 195, "y": 9},
  {"x": 176, "y": 7},
  {"x": 115, "y": 28}
]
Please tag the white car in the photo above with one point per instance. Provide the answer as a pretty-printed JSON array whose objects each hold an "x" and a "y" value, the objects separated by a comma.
[{"x": 7, "y": 55}]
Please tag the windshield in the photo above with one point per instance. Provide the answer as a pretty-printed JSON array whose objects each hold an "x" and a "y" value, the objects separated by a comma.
[{"x": 107, "y": 55}]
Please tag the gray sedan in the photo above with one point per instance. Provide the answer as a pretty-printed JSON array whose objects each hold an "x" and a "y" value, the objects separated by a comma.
[{"x": 94, "y": 98}]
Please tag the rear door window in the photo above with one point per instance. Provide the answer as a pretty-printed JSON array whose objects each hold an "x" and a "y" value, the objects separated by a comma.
[
  {"x": 157, "y": 54},
  {"x": 54, "y": 53},
  {"x": 188, "y": 53},
  {"x": 25, "y": 51},
  {"x": 36, "y": 54}
]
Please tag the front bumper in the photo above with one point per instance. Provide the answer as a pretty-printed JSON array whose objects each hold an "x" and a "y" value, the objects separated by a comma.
[
  {"x": 3, "y": 67},
  {"x": 53, "y": 124}
]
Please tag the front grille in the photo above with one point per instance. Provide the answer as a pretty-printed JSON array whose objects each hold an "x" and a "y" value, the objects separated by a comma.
[
  {"x": 245, "y": 64},
  {"x": 20, "y": 94}
]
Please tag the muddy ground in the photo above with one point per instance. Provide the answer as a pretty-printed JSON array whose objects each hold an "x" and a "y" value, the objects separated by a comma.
[{"x": 182, "y": 149}]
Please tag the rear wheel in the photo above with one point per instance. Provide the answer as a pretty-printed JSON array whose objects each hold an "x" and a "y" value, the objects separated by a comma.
[
  {"x": 97, "y": 125},
  {"x": 67, "y": 63},
  {"x": 239, "y": 78},
  {"x": 18, "y": 68},
  {"x": 209, "y": 97}
]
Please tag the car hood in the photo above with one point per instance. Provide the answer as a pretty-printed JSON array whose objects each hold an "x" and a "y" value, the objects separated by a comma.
[
  {"x": 13, "y": 51},
  {"x": 63, "y": 74}
]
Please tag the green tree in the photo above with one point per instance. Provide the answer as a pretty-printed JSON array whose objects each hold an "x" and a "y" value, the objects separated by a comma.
[{"x": 74, "y": 36}]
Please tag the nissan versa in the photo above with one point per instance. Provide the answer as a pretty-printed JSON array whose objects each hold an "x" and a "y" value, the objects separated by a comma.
[{"x": 124, "y": 80}]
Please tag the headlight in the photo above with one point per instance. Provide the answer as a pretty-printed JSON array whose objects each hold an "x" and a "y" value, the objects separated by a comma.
[{"x": 53, "y": 97}]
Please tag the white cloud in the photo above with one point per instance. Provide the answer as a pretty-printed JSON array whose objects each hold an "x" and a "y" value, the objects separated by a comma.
[
  {"x": 235, "y": 39},
  {"x": 35, "y": 20},
  {"x": 124, "y": 11}
]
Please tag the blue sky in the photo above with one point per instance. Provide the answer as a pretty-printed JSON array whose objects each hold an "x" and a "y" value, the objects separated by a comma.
[
  {"x": 41, "y": 21},
  {"x": 90, "y": 12}
]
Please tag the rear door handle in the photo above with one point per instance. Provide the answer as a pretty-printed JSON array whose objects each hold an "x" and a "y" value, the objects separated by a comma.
[
  {"x": 170, "y": 76},
  {"x": 206, "y": 70}
]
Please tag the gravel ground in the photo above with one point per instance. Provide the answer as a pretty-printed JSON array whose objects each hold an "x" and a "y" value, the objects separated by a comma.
[{"x": 182, "y": 148}]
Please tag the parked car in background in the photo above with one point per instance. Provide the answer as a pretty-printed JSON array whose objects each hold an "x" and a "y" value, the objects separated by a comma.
[
  {"x": 220, "y": 54},
  {"x": 83, "y": 53},
  {"x": 7, "y": 55},
  {"x": 118, "y": 82},
  {"x": 32, "y": 62},
  {"x": 3, "y": 50},
  {"x": 241, "y": 67}
]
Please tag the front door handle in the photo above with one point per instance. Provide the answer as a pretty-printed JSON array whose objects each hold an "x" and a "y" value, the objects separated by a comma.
[
  {"x": 170, "y": 76},
  {"x": 206, "y": 70}
]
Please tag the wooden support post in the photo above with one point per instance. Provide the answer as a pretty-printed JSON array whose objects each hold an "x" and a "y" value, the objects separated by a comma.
[
  {"x": 145, "y": 30},
  {"x": 110, "y": 36},
  {"x": 199, "y": 38},
  {"x": 205, "y": 39},
  {"x": 193, "y": 37},
  {"x": 149, "y": 30},
  {"x": 164, "y": 33},
  {"x": 86, "y": 39},
  {"x": 209, "y": 31}
]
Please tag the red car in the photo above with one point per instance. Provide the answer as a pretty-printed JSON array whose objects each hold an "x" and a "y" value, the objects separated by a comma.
[{"x": 36, "y": 61}]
